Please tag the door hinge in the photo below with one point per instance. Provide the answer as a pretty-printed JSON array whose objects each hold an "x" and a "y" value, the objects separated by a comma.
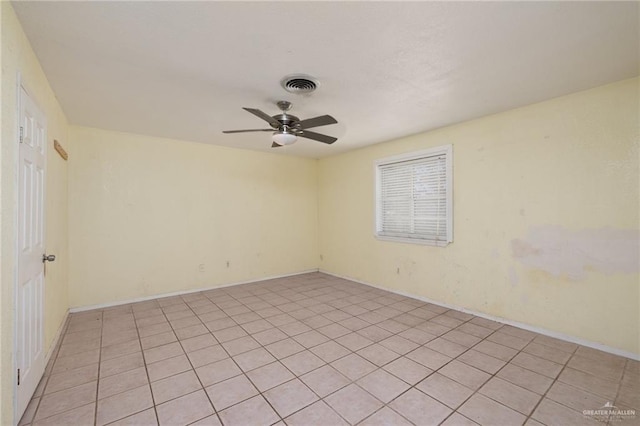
[
  {"x": 18, "y": 377},
  {"x": 21, "y": 134}
]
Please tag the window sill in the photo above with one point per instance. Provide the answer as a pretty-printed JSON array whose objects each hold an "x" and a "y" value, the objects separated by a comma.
[{"x": 412, "y": 241}]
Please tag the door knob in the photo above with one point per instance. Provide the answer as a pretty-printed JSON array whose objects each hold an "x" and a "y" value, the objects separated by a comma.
[{"x": 48, "y": 258}]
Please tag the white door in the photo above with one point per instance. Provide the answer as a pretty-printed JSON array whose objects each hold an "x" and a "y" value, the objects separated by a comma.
[{"x": 30, "y": 284}]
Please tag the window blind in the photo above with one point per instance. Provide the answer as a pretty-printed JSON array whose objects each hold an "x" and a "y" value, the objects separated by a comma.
[{"x": 413, "y": 199}]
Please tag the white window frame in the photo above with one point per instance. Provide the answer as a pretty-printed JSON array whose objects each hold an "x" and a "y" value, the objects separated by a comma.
[{"x": 447, "y": 151}]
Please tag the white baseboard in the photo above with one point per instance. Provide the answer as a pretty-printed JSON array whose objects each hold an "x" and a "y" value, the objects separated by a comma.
[
  {"x": 182, "y": 292},
  {"x": 57, "y": 337},
  {"x": 524, "y": 326}
]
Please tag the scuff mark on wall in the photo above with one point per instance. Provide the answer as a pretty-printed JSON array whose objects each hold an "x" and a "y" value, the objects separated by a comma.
[
  {"x": 561, "y": 251},
  {"x": 405, "y": 265}
]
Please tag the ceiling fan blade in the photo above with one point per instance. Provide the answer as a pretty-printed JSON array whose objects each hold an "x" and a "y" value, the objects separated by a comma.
[
  {"x": 322, "y": 120},
  {"x": 275, "y": 145},
  {"x": 317, "y": 137},
  {"x": 248, "y": 130},
  {"x": 275, "y": 123}
]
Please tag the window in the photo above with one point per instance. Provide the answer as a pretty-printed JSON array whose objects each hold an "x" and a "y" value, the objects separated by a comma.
[{"x": 414, "y": 197}]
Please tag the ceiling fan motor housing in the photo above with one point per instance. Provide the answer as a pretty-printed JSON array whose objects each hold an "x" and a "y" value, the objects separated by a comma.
[
  {"x": 286, "y": 128},
  {"x": 286, "y": 120}
]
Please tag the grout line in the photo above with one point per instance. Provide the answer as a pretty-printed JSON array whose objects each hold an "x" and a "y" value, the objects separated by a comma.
[
  {"x": 35, "y": 412},
  {"x": 225, "y": 312},
  {"x": 296, "y": 377},
  {"x": 146, "y": 370},
  {"x": 305, "y": 348},
  {"x": 530, "y": 416},
  {"x": 308, "y": 290},
  {"x": 47, "y": 377},
  {"x": 95, "y": 409},
  {"x": 309, "y": 349},
  {"x": 193, "y": 368},
  {"x": 279, "y": 361},
  {"x": 377, "y": 342},
  {"x": 456, "y": 357},
  {"x": 539, "y": 330},
  {"x": 619, "y": 387},
  {"x": 79, "y": 309},
  {"x": 53, "y": 357}
]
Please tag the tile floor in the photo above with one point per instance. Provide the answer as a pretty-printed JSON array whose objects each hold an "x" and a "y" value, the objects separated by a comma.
[{"x": 318, "y": 350}]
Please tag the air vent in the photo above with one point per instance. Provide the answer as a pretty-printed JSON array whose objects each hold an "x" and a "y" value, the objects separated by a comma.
[{"x": 299, "y": 83}]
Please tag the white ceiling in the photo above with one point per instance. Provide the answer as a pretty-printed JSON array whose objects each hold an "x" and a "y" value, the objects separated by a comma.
[{"x": 387, "y": 69}]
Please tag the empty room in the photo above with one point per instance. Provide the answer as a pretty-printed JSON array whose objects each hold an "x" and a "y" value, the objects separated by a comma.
[{"x": 320, "y": 213}]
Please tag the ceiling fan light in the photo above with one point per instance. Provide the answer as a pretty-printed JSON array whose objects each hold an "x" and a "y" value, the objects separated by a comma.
[{"x": 284, "y": 138}]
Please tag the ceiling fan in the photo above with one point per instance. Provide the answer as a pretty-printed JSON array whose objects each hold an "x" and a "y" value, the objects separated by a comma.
[{"x": 286, "y": 128}]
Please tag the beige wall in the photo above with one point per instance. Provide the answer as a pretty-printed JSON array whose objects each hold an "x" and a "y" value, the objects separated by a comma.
[
  {"x": 145, "y": 213},
  {"x": 545, "y": 217},
  {"x": 17, "y": 55}
]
